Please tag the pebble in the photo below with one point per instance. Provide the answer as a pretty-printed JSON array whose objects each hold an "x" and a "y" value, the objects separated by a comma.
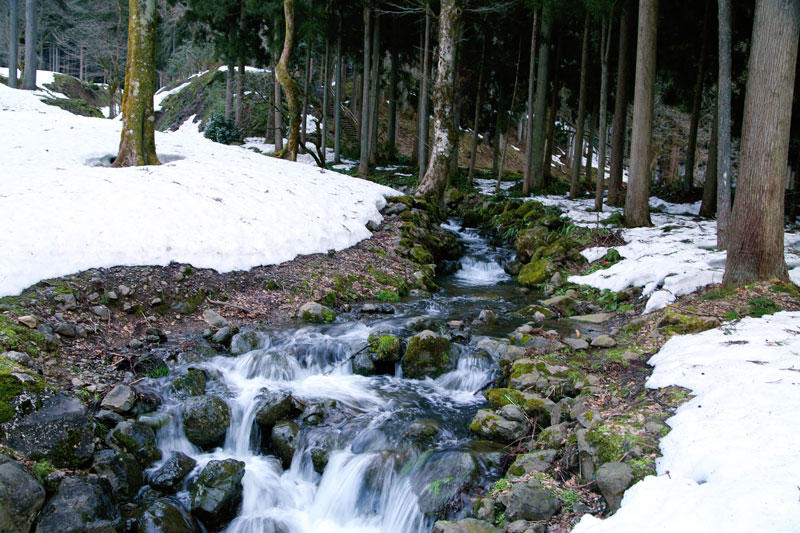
[{"x": 29, "y": 321}]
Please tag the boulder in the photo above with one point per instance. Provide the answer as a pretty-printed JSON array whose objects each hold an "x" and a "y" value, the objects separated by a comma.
[
  {"x": 528, "y": 240},
  {"x": 363, "y": 365},
  {"x": 168, "y": 477},
  {"x": 21, "y": 498},
  {"x": 467, "y": 525},
  {"x": 192, "y": 383},
  {"x": 122, "y": 472},
  {"x": 564, "y": 304},
  {"x": 248, "y": 341},
  {"x": 284, "y": 441},
  {"x": 214, "y": 319},
  {"x": 316, "y": 313},
  {"x": 525, "y": 526},
  {"x": 536, "y": 461},
  {"x": 437, "y": 477},
  {"x": 613, "y": 479},
  {"x": 80, "y": 506},
  {"x": 576, "y": 344},
  {"x": 489, "y": 425},
  {"x": 60, "y": 432},
  {"x": 136, "y": 439},
  {"x": 594, "y": 318},
  {"x": 385, "y": 348},
  {"x": 427, "y": 355},
  {"x": 274, "y": 406},
  {"x": 217, "y": 491},
  {"x": 419, "y": 323},
  {"x": 603, "y": 341},
  {"x": 166, "y": 515},
  {"x": 119, "y": 399},
  {"x": 206, "y": 420},
  {"x": 530, "y": 501},
  {"x": 535, "y": 272},
  {"x": 224, "y": 335},
  {"x": 554, "y": 436}
]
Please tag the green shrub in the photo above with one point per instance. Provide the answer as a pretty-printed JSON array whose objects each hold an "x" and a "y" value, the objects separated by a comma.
[{"x": 222, "y": 131}]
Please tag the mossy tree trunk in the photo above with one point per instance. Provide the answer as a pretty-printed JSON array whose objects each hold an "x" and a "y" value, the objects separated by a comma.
[
  {"x": 288, "y": 83},
  {"x": 137, "y": 146},
  {"x": 422, "y": 108},
  {"x": 433, "y": 183}
]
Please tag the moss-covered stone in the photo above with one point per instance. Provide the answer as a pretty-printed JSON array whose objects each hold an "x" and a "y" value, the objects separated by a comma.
[
  {"x": 386, "y": 348},
  {"x": 75, "y": 106},
  {"x": 535, "y": 272},
  {"x": 427, "y": 355},
  {"x": 15, "y": 380},
  {"x": 18, "y": 337},
  {"x": 675, "y": 323},
  {"x": 421, "y": 255}
]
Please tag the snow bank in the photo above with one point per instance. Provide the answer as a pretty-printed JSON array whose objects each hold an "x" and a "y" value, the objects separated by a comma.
[
  {"x": 730, "y": 462},
  {"x": 208, "y": 204}
]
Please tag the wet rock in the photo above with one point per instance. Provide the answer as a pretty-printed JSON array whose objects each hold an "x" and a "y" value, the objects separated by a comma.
[
  {"x": 539, "y": 343},
  {"x": 80, "y": 505},
  {"x": 168, "y": 477},
  {"x": 594, "y": 318},
  {"x": 467, "y": 525},
  {"x": 419, "y": 323},
  {"x": 363, "y": 365},
  {"x": 120, "y": 399},
  {"x": 108, "y": 418},
  {"x": 21, "y": 498},
  {"x": 385, "y": 348},
  {"x": 603, "y": 341},
  {"x": 535, "y": 272},
  {"x": 576, "y": 344},
  {"x": 316, "y": 313},
  {"x": 513, "y": 267},
  {"x": 60, "y": 431},
  {"x": 381, "y": 309},
  {"x": 217, "y": 491},
  {"x": 587, "y": 455},
  {"x": 530, "y": 501},
  {"x": 122, "y": 472},
  {"x": 248, "y": 341},
  {"x": 165, "y": 515},
  {"x": 537, "y": 461},
  {"x": 528, "y": 240},
  {"x": 484, "y": 509},
  {"x": 136, "y": 439},
  {"x": 427, "y": 355},
  {"x": 613, "y": 479},
  {"x": 422, "y": 432},
  {"x": 489, "y": 425},
  {"x": 214, "y": 319},
  {"x": 193, "y": 383},
  {"x": 487, "y": 316},
  {"x": 537, "y": 376},
  {"x": 512, "y": 412},
  {"x": 320, "y": 445},
  {"x": 284, "y": 441},
  {"x": 436, "y": 478},
  {"x": 224, "y": 335},
  {"x": 564, "y": 304},
  {"x": 206, "y": 420},
  {"x": 274, "y": 406}
]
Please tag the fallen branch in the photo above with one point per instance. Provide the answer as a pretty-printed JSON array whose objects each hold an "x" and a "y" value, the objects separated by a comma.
[
  {"x": 226, "y": 304},
  {"x": 349, "y": 358}
]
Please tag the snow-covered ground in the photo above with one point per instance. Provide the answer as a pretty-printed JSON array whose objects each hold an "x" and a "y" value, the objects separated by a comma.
[
  {"x": 208, "y": 204},
  {"x": 730, "y": 463}
]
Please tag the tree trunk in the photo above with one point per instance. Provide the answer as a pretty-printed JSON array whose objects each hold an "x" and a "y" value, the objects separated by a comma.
[
  {"x": 605, "y": 47},
  {"x": 421, "y": 60},
  {"x": 504, "y": 138},
  {"x": 537, "y": 172},
  {"x": 326, "y": 86},
  {"x": 552, "y": 115},
  {"x": 363, "y": 162},
  {"x": 278, "y": 104},
  {"x": 526, "y": 186},
  {"x": 590, "y": 142},
  {"x": 455, "y": 141},
  {"x": 423, "y": 97},
  {"x": 697, "y": 97},
  {"x": 137, "y": 144},
  {"x": 432, "y": 185},
  {"x": 288, "y": 83},
  {"x": 577, "y": 158},
  {"x": 391, "y": 142},
  {"x": 724, "y": 125},
  {"x": 229, "y": 91},
  {"x": 239, "y": 107},
  {"x": 31, "y": 18},
  {"x": 618, "y": 127},
  {"x": 708, "y": 207},
  {"x": 306, "y": 86},
  {"x": 755, "y": 245},
  {"x": 337, "y": 112},
  {"x": 374, "y": 89},
  {"x": 13, "y": 43},
  {"x": 637, "y": 209},
  {"x": 474, "y": 150}
]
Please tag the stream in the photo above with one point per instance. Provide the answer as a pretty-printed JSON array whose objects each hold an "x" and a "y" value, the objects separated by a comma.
[{"x": 400, "y": 447}]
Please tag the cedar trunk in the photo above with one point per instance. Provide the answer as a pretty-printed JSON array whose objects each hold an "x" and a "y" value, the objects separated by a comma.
[
  {"x": 13, "y": 43},
  {"x": 363, "y": 162},
  {"x": 724, "y": 125},
  {"x": 637, "y": 209},
  {"x": 696, "y": 99},
  {"x": 577, "y": 158},
  {"x": 709, "y": 204},
  {"x": 618, "y": 127},
  {"x": 289, "y": 85},
  {"x": 422, "y": 138},
  {"x": 540, "y": 103},
  {"x": 337, "y": 101},
  {"x": 526, "y": 186},
  {"x": 137, "y": 145},
  {"x": 31, "y": 18},
  {"x": 474, "y": 150},
  {"x": 605, "y": 47},
  {"x": 755, "y": 246}
]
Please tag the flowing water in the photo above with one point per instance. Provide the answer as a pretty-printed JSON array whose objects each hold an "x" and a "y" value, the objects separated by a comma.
[{"x": 373, "y": 480}]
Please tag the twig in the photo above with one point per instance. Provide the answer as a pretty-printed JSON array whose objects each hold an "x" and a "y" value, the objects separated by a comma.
[
  {"x": 226, "y": 304},
  {"x": 484, "y": 387},
  {"x": 350, "y": 357}
]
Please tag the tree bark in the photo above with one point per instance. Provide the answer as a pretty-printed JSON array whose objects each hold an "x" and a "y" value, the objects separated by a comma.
[
  {"x": 229, "y": 91},
  {"x": 605, "y": 47},
  {"x": 526, "y": 186},
  {"x": 434, "y": 181},
  {"x": 306, "y": 85},
  {"x": 288, "y": 83},
  {"x": 326, "y": 86},
  {"x": 137, "y": 143},
  {"x": 590, "y": 145},
  {"x": 13, "y": 43},
  {"x": 618, "y": 127},
  {"x": 708, "y": 206},
  {"x": 637, "y": 208},
  {"x": 363, "y": 162},
  {"x": 755, "y": 246},
  {"x": 423, "y": 97},
  {"x": 374, "y": 89},
  {"x": 337, "y": 112},
  {"x": 549, "y": 146},
  {"x": 697, "y": 97},
  {"x": 455, "y": 141},
  {"x": 577, "y": 159},
  {"x": 724, "y": 125},
  {"x": 537, "y": 170},
  {"x": 504, "y": 137},
  {"x": 474, "y": 150},
  {"x": 239, "y": 107},
  {"x": 31, "y": 19},
  {"x": 391, "y": 142},
  {"x": 278, "y": 105}
]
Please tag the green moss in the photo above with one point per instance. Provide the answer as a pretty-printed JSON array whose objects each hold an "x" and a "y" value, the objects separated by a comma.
[
  {"x": 64, "y": 456},
  {"x": 609, "y": 445},
  {"x": 535, "y": 272},
  {"x": 11, "y": 386},
  {"x": 760, "y": 306},
  {"x": 719, "y": 294},
  {"x": 679, "y": 324},
  {"x": 385, "y": 347},
  {"x": 421, "y": 255},
  {"x": 387, "y": 296},
  {"x": 42, "y": 469},
  {"x": 328, "y": 315},
  {"x": 18, "y": 337},
  {"x": 642, "y": 467},
  {"x": 75, "y": 106}
]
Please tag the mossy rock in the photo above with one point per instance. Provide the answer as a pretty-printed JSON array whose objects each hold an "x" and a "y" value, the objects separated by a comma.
[
  {"x": 529, "y": 240},
  {"x": 535, "y": 272},
  {"x": 386, "y": 348},
  {"x": 72, "y": 87},
  {"x": 75, "y": 106},
  {"x": 20, "y": 338},
  {"x": 16, "y": 381},
  {"x": 421, "y": 255},
  {"x": 427, "y": 355},
  {"x": 681, "y": 324},
  {"x": 531, "y": 310},
  {"x": 535, "y": 406}
]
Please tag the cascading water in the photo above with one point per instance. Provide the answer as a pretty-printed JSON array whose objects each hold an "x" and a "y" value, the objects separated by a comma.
[{"x": 389, "y": 437}]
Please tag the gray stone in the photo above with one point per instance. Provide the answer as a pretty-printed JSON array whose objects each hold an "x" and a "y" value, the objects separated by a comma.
[
  {"x": 124, "y": 290},
  {"x": 121, "y": 470},
  {"x": 487, "y": 316},
  {"x": 66, "y": 329},
  {"x": 29, "y": 321},
  {"x": 120, "y": 399},
  {"x": 530, "y": 501},
  {"x": 576, "y": 344},
  {"x": 554, "y": 436},
  {"x": 437, "y": 477},
  {"x": 594, "y": 318},
  {"x": 21, "y": 358},
  {"x": 274, "y": 406},
  {"x": 168, "y": 477},
  {"x": 111, "y": 295},
  {"x": 66, "y": 301},
  {"x": 214, "y": 319},
  {"x": 284, "y": 441},
  {"x": 315, "y": 312},
  {"x": 536, "y": 461},
  {"x": 165, "y": 514},
  {"x": 101, "y": 311},
  {"x": 484, "y": 509},
  {"x": 586, "y": 455},
  {"x": 563, "y": 303},
  {"x": 80, "y": 506},
  {"x": 525, "y": 526},
  {"x": 419, "y": 323},
  {"x": 467, "y": 525},
  {"x": 603, "y": 341},
  {"x": 427, "y": 355},
  {"x": 512, "y": 412},
  {"x": 223, "y": 335},
  {"x": 248, "y": 341},
  {"x": 59, "y": 431},
  {"x": 363, "y": 365},
  {"x": 613, "y": 479},
  {"x": 136, "y": 439},
  {"x": 21, "y": 498},
  {"x": 217, "y": 491},
  {"x": 206, "y": 420},
  {"x": 490, "y": 425},
  {"x": 193, "y": 383}
]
